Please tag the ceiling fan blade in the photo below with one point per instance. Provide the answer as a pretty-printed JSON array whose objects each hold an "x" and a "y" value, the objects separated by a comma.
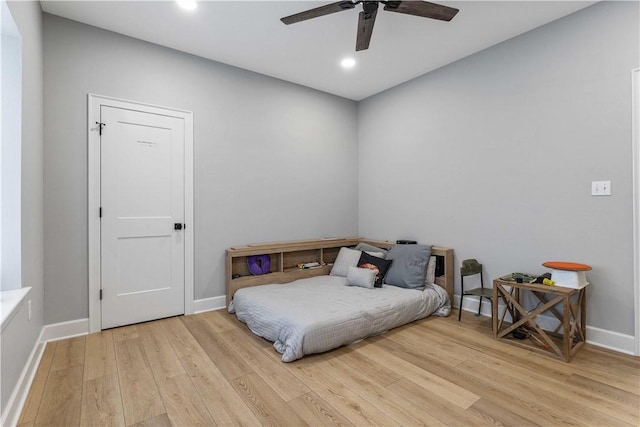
[
  {"x": 365, "y": 29},
  {"x": 423, "y": 9},
  {"x": 318, "y": 11}
]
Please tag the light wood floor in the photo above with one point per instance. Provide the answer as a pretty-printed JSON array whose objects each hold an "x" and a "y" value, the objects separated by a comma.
[{"x": 207, "y": 369}]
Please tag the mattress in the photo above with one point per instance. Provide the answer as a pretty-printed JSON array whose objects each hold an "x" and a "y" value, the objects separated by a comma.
[{"x": 322, "y": 313}]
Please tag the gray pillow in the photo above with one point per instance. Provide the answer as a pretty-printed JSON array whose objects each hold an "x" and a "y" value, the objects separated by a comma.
[
  {"x": 365, "y": 247},
  {"x": 409, "y": 266}
]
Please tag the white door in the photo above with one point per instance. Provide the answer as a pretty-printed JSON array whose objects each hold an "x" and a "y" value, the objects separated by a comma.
[{"x": 142, "y": 210}]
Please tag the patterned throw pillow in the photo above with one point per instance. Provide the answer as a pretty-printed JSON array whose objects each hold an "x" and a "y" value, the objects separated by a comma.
[{"x": 379, "y": 265}]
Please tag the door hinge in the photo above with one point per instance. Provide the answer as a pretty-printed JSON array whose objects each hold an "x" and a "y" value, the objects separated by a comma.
[
  {"x": 100, "y": 293},
  {"x": 100, "y": 212},
  {"x": 100, "y": 126}
]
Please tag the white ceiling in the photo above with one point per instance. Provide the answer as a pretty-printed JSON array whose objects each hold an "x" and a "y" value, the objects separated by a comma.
[{"x": 249, "y": 34}]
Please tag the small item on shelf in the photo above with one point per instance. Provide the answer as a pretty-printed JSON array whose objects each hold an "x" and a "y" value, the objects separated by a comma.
[
  {"x": 519, "y": 278},
  {"x": 308, "y": 264},
  {"x": 517, "y": 333},
  {"x": 540, "y": 278},
  {"x": 406, "y": 242},
  {"x": 545, "y": 279},
  {"x": 543, "y": 344},
  {"x": 524, "y": 332},
  {"x": 259, "y": 264}
]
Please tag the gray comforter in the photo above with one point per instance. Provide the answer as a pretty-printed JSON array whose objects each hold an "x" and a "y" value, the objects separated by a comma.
[{"x": 321, "y": 313}]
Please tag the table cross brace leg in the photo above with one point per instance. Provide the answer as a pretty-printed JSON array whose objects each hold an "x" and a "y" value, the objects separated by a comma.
[
  {"x": 529, "y": 317},
  {"x": 575, "y": 311},
  {"x": 501, "y": 292},
  {"x": 511, "y": 300},
  {"x": 552, "y": 310}
]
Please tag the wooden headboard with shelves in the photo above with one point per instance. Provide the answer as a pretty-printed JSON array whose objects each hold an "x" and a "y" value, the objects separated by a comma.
[{"x": 285, "y": 256}]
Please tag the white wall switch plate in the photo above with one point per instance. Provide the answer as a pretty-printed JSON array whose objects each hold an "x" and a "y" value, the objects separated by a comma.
[{"x": 601, "y": 188}]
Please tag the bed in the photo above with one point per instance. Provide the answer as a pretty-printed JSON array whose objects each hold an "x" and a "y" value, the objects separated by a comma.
[{"x": 321, "y": 312}]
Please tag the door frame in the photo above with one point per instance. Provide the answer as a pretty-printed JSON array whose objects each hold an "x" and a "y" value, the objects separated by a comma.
[
  {"x": 95, "y": 102},
  {"x": 635, "y": 123}
]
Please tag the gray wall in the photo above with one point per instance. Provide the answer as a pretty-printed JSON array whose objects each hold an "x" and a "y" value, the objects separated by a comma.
[
  {"x": 11, "y": 168},
  {"x": 494, "y": 156},
  {"x": 21, "y": 338},
  {"x": 273, "y": 160}
]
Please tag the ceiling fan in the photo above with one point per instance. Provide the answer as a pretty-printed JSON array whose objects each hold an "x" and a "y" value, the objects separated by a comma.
[{"x": 370, "y": 9}]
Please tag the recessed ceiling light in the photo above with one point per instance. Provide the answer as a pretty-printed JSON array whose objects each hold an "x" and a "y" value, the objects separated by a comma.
[
  {"x": 187, "y": 4},
  {"x": 348, "y": 63}
]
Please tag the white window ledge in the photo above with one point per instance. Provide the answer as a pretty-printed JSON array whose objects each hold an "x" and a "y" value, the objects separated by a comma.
[{"x": 10, "y": 301}]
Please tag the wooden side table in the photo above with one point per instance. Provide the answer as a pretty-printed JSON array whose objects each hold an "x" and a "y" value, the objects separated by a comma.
[{"x": 572, "y": 319}]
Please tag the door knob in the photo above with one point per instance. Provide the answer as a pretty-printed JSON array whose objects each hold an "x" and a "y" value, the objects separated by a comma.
[{"x": 177, "y": 226}]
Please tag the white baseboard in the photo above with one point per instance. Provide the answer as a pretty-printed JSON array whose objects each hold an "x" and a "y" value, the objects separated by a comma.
[
  {"x": 599, "y": 337},
  {"x": 62, "y": 330},
  {"x": 53, "y": 332},
  {"x": 611, "y": 340},
  {"x": 16, "y": 402},
  {"x": 471, "y": 304},
  {"x": 209, "y": 304}
]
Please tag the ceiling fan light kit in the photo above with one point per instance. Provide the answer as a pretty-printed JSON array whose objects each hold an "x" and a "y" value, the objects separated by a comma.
[{"x": 367, "y": 17}]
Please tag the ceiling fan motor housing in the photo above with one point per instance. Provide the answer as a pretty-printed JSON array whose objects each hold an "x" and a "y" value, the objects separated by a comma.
[{"x": 369, "y": 6}]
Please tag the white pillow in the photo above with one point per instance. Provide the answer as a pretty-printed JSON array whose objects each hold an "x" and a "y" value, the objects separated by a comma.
[
  {"x": 430, "y": 278},
  {"x": 363, "y": 277},
  {"x": 346, "y": 258}
]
